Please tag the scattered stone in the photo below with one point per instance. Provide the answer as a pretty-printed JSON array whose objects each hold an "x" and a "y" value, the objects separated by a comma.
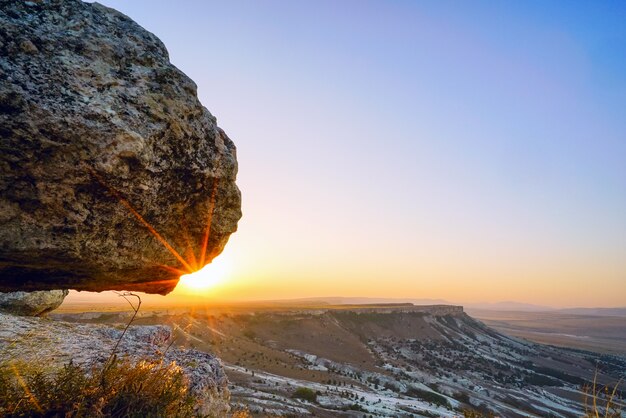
[{"x": 31, "y": 303}]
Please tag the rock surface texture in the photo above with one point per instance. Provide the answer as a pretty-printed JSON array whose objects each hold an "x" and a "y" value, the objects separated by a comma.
[
  {"x": 31, "y": 340},
  {"x": 107, "y": 157},
  {"x": 31, "y": 303}
]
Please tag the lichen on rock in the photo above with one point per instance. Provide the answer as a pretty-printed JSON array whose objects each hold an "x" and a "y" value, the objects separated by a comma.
[{"x": 98, "y": 129}]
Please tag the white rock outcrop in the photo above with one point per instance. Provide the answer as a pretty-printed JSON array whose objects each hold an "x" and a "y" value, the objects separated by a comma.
[{"x": 31, "y": 340}]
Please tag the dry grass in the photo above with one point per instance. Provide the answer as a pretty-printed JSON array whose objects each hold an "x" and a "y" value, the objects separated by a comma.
[
  {"x": 117, "y": 388},
  {"x": 602, "y": 401},
  {"x": 122, "y": 389},
  {"x": 468, "y": 413},
  {"x": 242, "y": 413}
]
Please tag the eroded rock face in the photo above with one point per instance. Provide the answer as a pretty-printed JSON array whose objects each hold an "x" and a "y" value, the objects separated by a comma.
[
  {"x": 98, "y": 130},
  {"x": 29, "y": 340},
  {"x": 36, "y": 303}
]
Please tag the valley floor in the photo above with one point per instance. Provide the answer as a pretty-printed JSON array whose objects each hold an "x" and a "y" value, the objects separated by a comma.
[{"x": 600, "y": 333}]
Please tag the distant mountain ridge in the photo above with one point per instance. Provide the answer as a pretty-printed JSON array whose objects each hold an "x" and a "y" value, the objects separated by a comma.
[
  {"x": 490, "y": 306},
  {"x": 595, "y": 311},
  {"x": 340, "y": 300},
  {"x": 509, "y": 306}
]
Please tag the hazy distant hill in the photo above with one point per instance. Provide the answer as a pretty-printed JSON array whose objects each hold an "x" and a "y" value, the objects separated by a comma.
[
  {"x": 338, "y": 300},
  {"x": 584, "y": 328},
  {"x": 508, "y": 306},
  {"x": 529, "y": 307},
  {"x": 596, "y": 311}
]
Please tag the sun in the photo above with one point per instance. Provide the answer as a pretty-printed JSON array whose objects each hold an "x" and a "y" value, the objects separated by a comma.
[{"x": 207, "y": 277}]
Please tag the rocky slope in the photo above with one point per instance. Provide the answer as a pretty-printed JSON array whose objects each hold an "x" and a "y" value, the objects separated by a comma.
[
  {"x": 385, "y": 362},
  {"x": 111, "y": 170},
  {"x": 55, "y": 343}
]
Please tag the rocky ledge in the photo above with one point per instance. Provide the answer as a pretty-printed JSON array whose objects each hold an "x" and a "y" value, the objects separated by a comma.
[
  {"x": 29, "y": 340},
  {"x": 112, "y": 173}
]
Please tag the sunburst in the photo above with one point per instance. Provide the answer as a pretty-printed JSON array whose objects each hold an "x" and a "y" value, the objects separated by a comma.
[{"x": 194, "y": 272}]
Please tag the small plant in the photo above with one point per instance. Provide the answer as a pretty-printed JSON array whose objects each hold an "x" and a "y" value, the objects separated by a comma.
[
  {"x": 355, "y": 407},
  {"x": 468, "y": 413},
  {"x": 305, "y": 394},
  {"x": 249, "y": 334},
  {"x": 602, "y": 401},
  {"x": 463, "y": 397},
  {"x": 120, "y": 389},
  {"x": 241, "y": 413},
  {"x": 116, "y": 388},
  {"x": 428, "y": 396}
]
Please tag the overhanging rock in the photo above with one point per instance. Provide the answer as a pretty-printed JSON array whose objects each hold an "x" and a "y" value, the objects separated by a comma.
[{"x": 111, "y": 170}]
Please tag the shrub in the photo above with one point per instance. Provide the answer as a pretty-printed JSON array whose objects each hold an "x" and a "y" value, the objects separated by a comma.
[
  {"x": 120, "y": 389},
  {"x": 241, "y": 413},
  {"x": 468, "y": 413},
  {"x": 428, "y": 396},
  {"x": 602, "y": 401},
  {"x": 541, "y": 380},
  {"x": 462, "y": 397},
  {"x": 305, "y": 394},
  {"x": 249, "y": 334},
  {"x": 559, "y": 375},
  {"x": 355, "y": 407}
]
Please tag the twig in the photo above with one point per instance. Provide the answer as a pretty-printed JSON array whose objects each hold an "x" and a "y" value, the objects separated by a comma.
[{"x": 135, "y": 309}]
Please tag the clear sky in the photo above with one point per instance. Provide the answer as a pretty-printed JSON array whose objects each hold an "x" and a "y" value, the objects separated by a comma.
[{"x": 471, "y": 151}]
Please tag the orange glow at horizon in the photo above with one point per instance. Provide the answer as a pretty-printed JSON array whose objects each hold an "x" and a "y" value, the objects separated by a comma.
[
  {"x": 434, "y": 159},
  {"x": 199, "y": 276},
  {"x": 206, "y": 278}
]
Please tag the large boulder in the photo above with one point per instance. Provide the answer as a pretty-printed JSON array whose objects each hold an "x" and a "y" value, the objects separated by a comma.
[
  {"x": 112, "y": 173},
  {"x": 36, "y": 303}
]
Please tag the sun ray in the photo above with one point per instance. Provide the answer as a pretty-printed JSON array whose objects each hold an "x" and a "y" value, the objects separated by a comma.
[
  {"x": 189, "y": 251},
  {"x": 141, "y": 219},
  {"x": 173, "y": 269},
  {"x": 29, "y": 395},
  {"x": 207, "y": 233}
]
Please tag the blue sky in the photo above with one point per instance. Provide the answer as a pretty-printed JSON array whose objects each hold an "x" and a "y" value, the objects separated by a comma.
[{"x": 464, "y": 150}]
